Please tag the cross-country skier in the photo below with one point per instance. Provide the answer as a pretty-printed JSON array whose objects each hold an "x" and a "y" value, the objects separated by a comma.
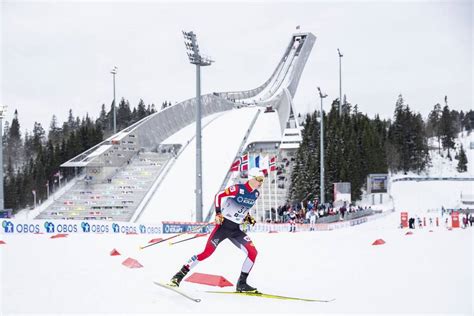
[
  {"x": 239, "y": 199},
  {"x": 313, "y": 216},
  {"x": 292, "y": 220}
]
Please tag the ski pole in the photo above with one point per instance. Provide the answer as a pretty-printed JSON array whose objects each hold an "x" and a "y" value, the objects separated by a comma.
[
  {"x": 195, "y": 236},
  {"x": 174, "y": 236}
]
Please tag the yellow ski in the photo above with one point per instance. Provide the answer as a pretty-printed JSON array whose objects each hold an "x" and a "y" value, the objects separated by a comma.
[{"x": 278, "y": 297}]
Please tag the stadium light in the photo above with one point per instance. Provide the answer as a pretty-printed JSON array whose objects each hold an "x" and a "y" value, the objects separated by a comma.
[
  {"x": 114, "y": 72},
  {"x": 340, "y": 81},
  {"x": 321, "y": 166},
  {"x": 195, "y": 58}
]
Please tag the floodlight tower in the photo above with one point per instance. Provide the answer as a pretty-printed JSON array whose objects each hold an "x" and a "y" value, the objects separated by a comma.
[
  {"x": 114, "y": 72},
  {"x": 321, "y": 166},
  {"x": 195, "y": 58},
  {"x": 340, "y": 81}
]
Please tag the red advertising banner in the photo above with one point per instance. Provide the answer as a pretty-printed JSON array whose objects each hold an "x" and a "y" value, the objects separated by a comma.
[
  {"x": 404, "y": 219},
  {"x": 455, "y": 220}
]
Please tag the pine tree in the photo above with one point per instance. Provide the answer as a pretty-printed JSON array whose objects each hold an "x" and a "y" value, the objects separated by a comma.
[
  {"x": 14, "y": 142},
  {"x": 468, "y": 121},
  {"x": 456, "y": 121},
  {"x": 102, "y": 120},
  {"x": 124, "y": 115},
  {"x": 6, "y": 132},
  {"x": 447, "y": 129},
  {"x": 71, "y": 122},
  {"x": 419, "y": 145},
  {"x": 396, "y": 137},
  {"x": 462, "y": 162},
  {"x": 54, "y": 133},
  {"x": 39, "y": 138},
  {"x": 141, "y": 110},
  {"x": 10, "y": 186},
  {"x": 433, "y": 125}
]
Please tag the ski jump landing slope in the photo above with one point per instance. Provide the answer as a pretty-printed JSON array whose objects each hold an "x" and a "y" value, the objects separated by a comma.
[
  {"x": 222, "y": 133},
  {"x": 223, "y": 136}
]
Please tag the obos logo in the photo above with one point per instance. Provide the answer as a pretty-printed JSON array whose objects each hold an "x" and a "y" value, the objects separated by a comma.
[
  {"x": 153, "y": 230},
  {"x": 149, "y": 229},
  {"x": 60, "y": 228},
  {"x": 100, "y": 228},
  {"x": 116, "y": 228},
  {"x": 245, "y": 200},
  {"x": 123, "y": 229},
  {"x": 95, "y": 228},
  {"x": 86, "y": 228},
  {"x": 49, "y": 227},
  {"x": 7, "y": 226}
]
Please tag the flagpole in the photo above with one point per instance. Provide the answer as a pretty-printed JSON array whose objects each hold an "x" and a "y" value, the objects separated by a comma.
[
  {"x": 262, "y": 192},
  {"x": 276, "y": 191},
  {"x": 252, "y": 165},
  {"x": 270, "y": 190},
  {"x": 267, "y": 165}
]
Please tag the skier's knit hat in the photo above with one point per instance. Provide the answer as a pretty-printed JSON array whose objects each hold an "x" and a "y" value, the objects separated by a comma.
[{"x": 256, "y": 173}]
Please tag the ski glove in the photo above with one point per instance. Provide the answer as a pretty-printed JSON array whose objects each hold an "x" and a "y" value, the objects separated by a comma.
[
  {"x": 249, "y": 220},
  {"x": 219, "y": 219}
]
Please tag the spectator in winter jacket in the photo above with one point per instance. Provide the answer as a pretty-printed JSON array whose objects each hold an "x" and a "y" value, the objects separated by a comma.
[{"x": 343, "y": 210}]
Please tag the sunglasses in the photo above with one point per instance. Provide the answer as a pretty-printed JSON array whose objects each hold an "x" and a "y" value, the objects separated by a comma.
[{"x": 259, "y": 179}]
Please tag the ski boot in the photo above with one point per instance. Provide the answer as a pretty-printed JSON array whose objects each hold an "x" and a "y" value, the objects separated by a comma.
[
  {"x": 178, "y": 277},
  {"x": 242, "y": 285}
]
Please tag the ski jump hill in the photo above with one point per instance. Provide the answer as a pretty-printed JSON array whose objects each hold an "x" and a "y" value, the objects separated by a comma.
[{"x": 146, "y": 172}]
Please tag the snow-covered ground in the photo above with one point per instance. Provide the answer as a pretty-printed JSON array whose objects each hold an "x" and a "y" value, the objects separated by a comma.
[
  {"x": 419, "y": 196},
  {"x": 430, "y": 271},
  {"x": 427, "y": 272},
  {"x": 441, "y": 166}
]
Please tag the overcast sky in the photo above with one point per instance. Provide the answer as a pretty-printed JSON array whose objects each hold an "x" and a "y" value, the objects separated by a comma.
[{"x": 58, "y": 55}]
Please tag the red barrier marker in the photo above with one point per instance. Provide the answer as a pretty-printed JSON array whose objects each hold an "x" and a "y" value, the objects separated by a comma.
[
  {"x": 378, "y": 242},
  {"x": 155, "y": 240},
  {"x": 132, "y": 263},
  {"x": 59, "y": 236},
  {"x": 208, "y": 279},
  {"x": 114, "y": 252}
]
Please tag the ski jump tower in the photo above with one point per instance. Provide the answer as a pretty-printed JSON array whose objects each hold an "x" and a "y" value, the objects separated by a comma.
[{"x": 275, "y": 96}]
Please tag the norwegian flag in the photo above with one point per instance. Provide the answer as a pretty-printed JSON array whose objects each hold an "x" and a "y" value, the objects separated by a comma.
[
  {"x": 244, "y": 162},
  {"x": 264, "y": 165},
  {"x": 273, "y": 166},
  {"x": 235, "y": 165}
]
